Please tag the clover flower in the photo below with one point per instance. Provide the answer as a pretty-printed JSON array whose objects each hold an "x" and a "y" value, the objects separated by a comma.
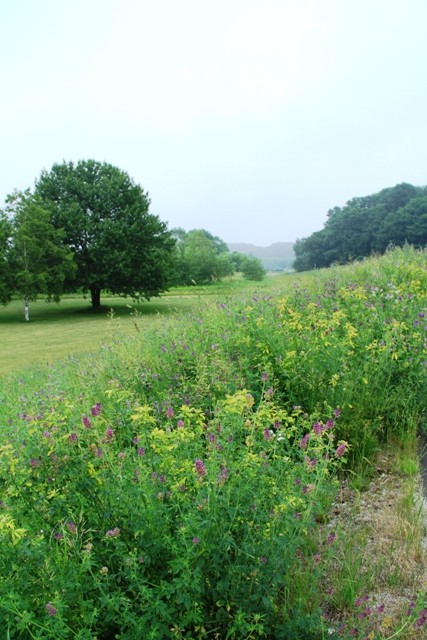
[
  {"x": 96, "y": 409},
  {"x": 169, "y": 412},
  {"x": 340, "y": 450},
  {"x": 71, "y": 526},
  {"x": 200, "y": 467},
  {"x": 304, "y": 440},
  {"x": 113, "y": 533},
  {"x": 51, "y": 609}
]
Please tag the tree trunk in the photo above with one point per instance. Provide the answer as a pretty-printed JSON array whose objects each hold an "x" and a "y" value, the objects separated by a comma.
[
  {"x": 26, "y": 309},
  {"x": 95, "y": 294}
]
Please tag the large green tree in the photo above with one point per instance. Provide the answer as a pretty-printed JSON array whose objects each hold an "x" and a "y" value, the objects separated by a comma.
[
  {"x": 37, "y": 260},
  {"x": 117, "y": 244}
]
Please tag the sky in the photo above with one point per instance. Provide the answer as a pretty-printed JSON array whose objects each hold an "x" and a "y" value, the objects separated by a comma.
[{"x": 247, "y": 118}]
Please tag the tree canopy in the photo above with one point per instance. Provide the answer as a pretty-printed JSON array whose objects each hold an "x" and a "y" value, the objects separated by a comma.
[
  {"x": 35, "y": 261},
  {"x": 367, "y": 225},
  {"x": 200, "y": 257},
  {"x": 116, "y": 243},
  {"x": 6, "y": 281}
]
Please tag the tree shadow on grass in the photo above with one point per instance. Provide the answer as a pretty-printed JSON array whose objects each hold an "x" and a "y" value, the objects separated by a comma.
[{"x": 72, "y": 308}]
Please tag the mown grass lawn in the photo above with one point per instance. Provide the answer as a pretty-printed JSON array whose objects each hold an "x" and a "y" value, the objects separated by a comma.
[{"x": 56, "y": 330}]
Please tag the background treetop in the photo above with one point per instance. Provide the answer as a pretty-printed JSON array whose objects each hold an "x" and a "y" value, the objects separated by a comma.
[{"x": 367, "y": 225}]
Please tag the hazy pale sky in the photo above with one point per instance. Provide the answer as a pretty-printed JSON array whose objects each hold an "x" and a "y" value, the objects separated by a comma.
[{"x": 248, "y": 118}]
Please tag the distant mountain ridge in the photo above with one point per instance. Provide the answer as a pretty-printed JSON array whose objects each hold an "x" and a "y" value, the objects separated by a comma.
[{"x": 276, "y": 257}]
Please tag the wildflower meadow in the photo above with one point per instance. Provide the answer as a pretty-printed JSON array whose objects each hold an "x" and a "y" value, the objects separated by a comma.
[{"x": 174, "y": 484}]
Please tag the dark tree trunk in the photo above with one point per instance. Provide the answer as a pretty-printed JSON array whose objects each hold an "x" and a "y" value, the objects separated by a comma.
[{"x": 95, "y": 294}]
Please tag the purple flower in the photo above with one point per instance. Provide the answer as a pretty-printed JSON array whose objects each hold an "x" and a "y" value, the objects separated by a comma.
[
  {"x": 51, "y": 609},
  {"x": 141, "y": 451},
  {"x": 307, "y": 488},
  {"x": 71, "y": 526},
  {"x": 224, "y": 473},
  {"x": 72, "y": 437},
  {"x": 169, "y": 412},
  {"x": 318, "y": 428},
  {"x": 196, "y": 540},
  {"x": 337, "y": 413},
  {"x": 264, "y": 376},
  {"x": 200, "y": 467},
  {"x": 35, "y": 462},
  {"x": 420, "y": 622},
  {"x": 87, "y": 423},
  {"x": 96, "y": 409},
  {"x": 58, "y": 536},
  {"x": 180, "y": 424},
  {"x": 109, "y": 434},
  {"x": 304, "y": 440},
  {"x": 263, "y": 559},
  {"x": 331, "y": 538},
  {"x": 267, "y": 434},
  {"x": 340, "y": 450},
  {"x": 113, "y": 533}
]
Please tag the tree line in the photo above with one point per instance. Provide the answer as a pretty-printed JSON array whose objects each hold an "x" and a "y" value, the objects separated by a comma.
[
  {"x": 87, "y": 227},
  {"x": 365, "y": 226}
]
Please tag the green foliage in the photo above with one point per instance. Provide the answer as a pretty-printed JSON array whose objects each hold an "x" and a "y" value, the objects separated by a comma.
[
  {"x": 367, "y": 225},
  {"x": 126, "y": 519},
  {"x": 117, "y": 244},
  {"x": 172, "y": 486},
  {"x": 39, "y": 263},
  {"x": 200, "y": 257},
  {"x": 6, "y": 281},
  {"x": 252, "y": 268}
]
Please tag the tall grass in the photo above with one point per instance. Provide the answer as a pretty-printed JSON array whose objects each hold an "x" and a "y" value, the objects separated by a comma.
[{"x": 171, "y": 485}]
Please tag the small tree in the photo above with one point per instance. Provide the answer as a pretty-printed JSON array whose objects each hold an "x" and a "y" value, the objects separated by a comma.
[
  {"x": 252, "y": 268},
  {"x": 6, "y": 285},
  {"x": 200, "y": 257},
  {"x": 38, "y": 261}
]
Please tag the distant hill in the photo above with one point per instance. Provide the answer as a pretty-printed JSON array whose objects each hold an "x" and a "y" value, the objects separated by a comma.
[{"x": 277, "y": 257}]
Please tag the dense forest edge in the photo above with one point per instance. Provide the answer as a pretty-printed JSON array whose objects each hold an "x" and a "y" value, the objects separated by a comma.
[{"x": 365, "y": 226}]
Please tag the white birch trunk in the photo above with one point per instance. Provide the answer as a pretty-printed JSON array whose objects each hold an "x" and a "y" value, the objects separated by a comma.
[{"x": 26, "y": 310}]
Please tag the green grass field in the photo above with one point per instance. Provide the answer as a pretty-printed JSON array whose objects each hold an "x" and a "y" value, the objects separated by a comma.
[{"x": 56, "y": 330}]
